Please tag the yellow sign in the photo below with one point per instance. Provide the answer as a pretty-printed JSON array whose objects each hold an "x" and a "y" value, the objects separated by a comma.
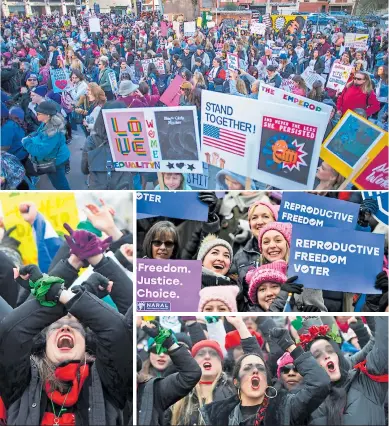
[
  {"x": 291, "y": 24},
  {"x": 56, "y": 207},
  {"x": 353, "y": 142}
]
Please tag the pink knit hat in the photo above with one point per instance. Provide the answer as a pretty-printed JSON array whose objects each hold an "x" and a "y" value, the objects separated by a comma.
[
  {"x": 274, "y": 272},
  {"x": 283, "y": 228},
  {"x": 225, "y": 293},
  {"x": 274, "y": 209},
  {"x": 282, "y": 361}
]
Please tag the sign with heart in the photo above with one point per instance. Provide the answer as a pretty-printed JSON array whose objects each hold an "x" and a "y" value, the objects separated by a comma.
[
  {"x": 59, "y": 79},
  {"x": 339, "y": 76}
]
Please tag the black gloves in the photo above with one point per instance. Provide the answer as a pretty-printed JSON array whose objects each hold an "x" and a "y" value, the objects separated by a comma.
[
  {"x": 152, "y": 331},
  {"x": 168, "y": 340},
  {"x": 96, "y": 284},
  {"x": 381, "y": 282},
  {"x": 291, "y": 287},
  {"x": 310, "y": 308},
  {"x": 34, "y": 275},
  {"x": 210, "y": 199},
  {"x": 282, "y": 337},
  {"x": 54, "y": 292}
]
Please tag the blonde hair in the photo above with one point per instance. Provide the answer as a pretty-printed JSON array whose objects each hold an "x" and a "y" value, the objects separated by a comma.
[
  {"x": 198, "y": 79},
  {"x": 241, "y": 87},
  {"x": 367, "y": 86},
  {"x": 98, "y": 93}
]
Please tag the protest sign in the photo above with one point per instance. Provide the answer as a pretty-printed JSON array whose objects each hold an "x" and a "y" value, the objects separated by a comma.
[
  {"x": 158, "y": 139},
  {"x": 211, "y": 24},
  {"x": 113, "y": 82},
  {"x": 59, "y": 79},
  {"x": 189, "y": 28},
  {"x": 356, "y": 41},
  {"x": 56, "y": 207},
  {"x": 160, "y": 65},
  {"x": 310, "y": 77},
  {"x": 244, "y": 24},
  {"x": 352, "y": 143},
  {"x": 229, "y": 124},
  {"x": 176, "y": 27},
  {"x": 168, "y": 285},
  {"x": 336, "y": 259},
  {"x": 197, "y": 180},
  {"x": 257, "y": 28},
  {"x": 339, "y": 76},
  {"x": 180, "y": 205},
  {"x": 292, "y": 24},
  {"x": 276, "y": 52},
  {"x": 171, "y": 96},
  {"x": 164, "y": 29},
  {"x": 287, "y": 84},
  {"x": 313, "y": 210},
  {"x": 382, "y": 198},
  {"x": 289, "y": 148},
  {"x": 232, "y": 61},
  {"x": 73, "y": 21},
  {"x": 145, "y": 65},
  {"x": 94, "y": 25},
  {"x": 374, "y": 175}
]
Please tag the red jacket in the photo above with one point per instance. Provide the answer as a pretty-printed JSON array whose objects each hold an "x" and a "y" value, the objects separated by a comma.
[
  {"x": 152, "y": 99},
  {"x": 132, "y": 101},
  {"x": 353, "y": 97}
]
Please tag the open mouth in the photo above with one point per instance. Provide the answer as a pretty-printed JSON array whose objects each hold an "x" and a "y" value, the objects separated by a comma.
[
  {"x": 65, "y": 342},
  {"x": 255, "y": 382},
  {"x": 161, "y": 362},
  {"x": 330, "y": 366},
  {"x": 274, "y": 252},
  {"x": 218, "y": 266},
  {"x": 207, "y": 366}
]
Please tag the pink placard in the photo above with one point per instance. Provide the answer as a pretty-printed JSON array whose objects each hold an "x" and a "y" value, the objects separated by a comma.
[
  {"x": 375, "y": 175},
  {"x": 171, "y": 96},
  {"x": 163, "y": 29}
]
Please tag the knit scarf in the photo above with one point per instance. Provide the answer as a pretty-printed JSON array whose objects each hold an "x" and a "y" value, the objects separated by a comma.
[
  {"x": 75, "y": 374},
  {"x": 259, "y": 417}
]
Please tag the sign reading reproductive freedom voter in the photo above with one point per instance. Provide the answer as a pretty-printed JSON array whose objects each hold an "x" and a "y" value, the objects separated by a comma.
[
  {"x": 180, "y": 205},
  {"x": 336, "y": 259},
  {"x": 168, "y": 285},
  {"x": 313, "y": 210}
]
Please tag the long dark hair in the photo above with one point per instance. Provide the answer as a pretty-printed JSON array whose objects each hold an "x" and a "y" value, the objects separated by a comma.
[{"x": 160, "y": 228}]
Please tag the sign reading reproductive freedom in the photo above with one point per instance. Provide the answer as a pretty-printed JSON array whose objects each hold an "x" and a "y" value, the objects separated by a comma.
[
  {"x": 158, "y": 139},
  {"x": 313, "y": 210},
  {"x": 382, "y": 198},
  {"x": 168, "y": 285},
  {"x": 336, "y": 259},
  {"x": 180, "y": 205},
  {"x": 339, "y": 76}
]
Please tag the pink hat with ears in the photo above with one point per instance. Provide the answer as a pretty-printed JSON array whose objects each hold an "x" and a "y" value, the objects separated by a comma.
[
  {"x": 274, "y": 209},
  {"x": 223, "y": 293},
  {"x": 283, "y": 228},
  {"x": 282, "y": 361}
]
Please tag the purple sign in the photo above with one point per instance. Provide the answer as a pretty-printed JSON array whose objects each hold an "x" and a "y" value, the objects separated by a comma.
[{"x": 168, "y": 285}]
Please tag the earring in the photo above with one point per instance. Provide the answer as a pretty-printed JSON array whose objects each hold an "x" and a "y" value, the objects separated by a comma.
[{"x": 275, "y": 390}]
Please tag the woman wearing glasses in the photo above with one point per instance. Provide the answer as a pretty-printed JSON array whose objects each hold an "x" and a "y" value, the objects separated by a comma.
[{"x": 359, "y": 94}]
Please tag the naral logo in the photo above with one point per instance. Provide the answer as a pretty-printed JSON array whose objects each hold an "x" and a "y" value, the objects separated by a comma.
[{"x": 153, "y": 306}]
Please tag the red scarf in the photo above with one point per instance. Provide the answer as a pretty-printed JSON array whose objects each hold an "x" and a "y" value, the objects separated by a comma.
[
  {"x": 3, "y": 413},
  {"x": 67, "y": 374},
  {"x": 383, "y": 378},
  {"x": 261, "y": 412}
]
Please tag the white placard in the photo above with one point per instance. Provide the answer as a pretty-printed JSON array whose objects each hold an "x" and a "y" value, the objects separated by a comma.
[
  {"x": 357, "y": 41},
  {"x": 310, "y": 76},
  {"x": 339, "y": 76},
  {"x": 257, "y": 28},
  {"x": 189, "y": 28},
  {"x": 94, "y": 25}
]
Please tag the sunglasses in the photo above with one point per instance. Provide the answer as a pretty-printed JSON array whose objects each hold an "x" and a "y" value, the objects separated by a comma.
[
  {"x": 158, "y": 243},
  {"x": 32, "y": 79},
  {"x": 287, "y": 368}
]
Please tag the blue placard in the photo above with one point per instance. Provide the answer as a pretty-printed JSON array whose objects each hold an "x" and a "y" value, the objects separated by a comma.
[
  {"x": 314, "y": 210},
  {"x": 382, "y": 198},
  {"x": 336, "y": 259},
  {"x": 59, "y": 79},
  {"x": 180, "y": 205}
]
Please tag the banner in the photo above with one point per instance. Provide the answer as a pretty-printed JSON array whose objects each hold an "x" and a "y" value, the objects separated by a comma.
[
  {"x": 232, "y": 61},
  {"x": 375, "y": 174},
  {"x": 336, "y": 259},
  {"x": 113, "y": 82},
  {"x": 382, "y": 198},
  {"x": 180, "y": 205},
  {"x": 356, "y": 41},
  {"x": 56, "y": 207},
  {"x": 339, "y": 76},
  {"x": 313, "y": 210},
  {"x": 292, "y": 24},
  {"x": 94, "y": 25},
  {"x": 189, "y": 28},
  {"x": 171, "y": 96},
  {"x": 257, "y": 28},
  {"x": 352, "y": 142},
  {"x": 168, "y": 285},
  {"x": 310, "y": 77},
  {"x": 154, "y": 139},
  {"x": 59, "y": 79}
]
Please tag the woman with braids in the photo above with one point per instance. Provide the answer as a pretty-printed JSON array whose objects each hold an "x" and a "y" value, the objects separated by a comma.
[
  {"x": 258, "y": 403},
  {"x": 155, "y": 395},
  {"x": 50, "y": 371},
  {"x": 359, "y": 385}
]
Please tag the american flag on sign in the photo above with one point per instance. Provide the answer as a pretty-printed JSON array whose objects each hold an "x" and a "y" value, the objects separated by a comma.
[
  {"x": 224, "y": 139},
  {"x": 266, "y": 19}
]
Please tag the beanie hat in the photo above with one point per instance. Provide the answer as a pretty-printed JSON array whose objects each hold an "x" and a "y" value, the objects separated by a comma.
[
  {"x": 40, "y": 90},
  {"x": 86, "y": 225},
  {"x": 213, "y": 344},
  {"x": 233, "y": 339},
  {"x": 17, "y": 112},
  {"x": 273, "y": 209},
  {"x": 283, "y": 56},
  {"x": 283, "y": 228},
  {"x": 209, "y": 242},
  {"x": 274, "y": 272},
  {"x": 226, "y": 294},
  {"x": 282, "y": 361}
]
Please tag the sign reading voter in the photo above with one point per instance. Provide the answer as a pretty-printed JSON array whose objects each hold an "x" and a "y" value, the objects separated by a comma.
[
  {"x": 168, "y": 285},
  {"x": 180, "y": 205},
  {"x": 336, "y": 259},
  {"x": 313, "y": 210}
]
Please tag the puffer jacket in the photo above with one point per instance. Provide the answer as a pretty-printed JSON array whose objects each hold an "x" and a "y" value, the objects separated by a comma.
[
  {"x": 365, "y": 396},
  {"x": 104, "y": 80}
]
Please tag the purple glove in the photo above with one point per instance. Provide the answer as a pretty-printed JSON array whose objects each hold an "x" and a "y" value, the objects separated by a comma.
[{"x": 84, "y": 244}]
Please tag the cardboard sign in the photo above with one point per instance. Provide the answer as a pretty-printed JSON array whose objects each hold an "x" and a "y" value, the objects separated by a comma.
[
  {"x": 59, "y": 79},
  {"x": 339, "y": 76},
  {"x": 176, "y": 27},
  {"x": 168, "y": 285},
  {"x": 232, "y": 61},
  {"x": 310, "y": 77},
  {"x": 180, "y": 205},
  {"x": 113, "y": 82},
  {"x": 189, "y": 28},
  {"x": 154, "y": 139},
  {"x": 382, "y": 198},
  {"x": 73, "y": 21},
  {"x": 313, "y": 210},
  {"x": 171, "y": 96},
  {"x": 336, "y": 259},
  {"x": 197, "y": 180},
  {"x": 288, "y": 85},
  {"x": 160, "y": 65},
  {"x": 94, "y": 25},
  {"x": 375, "y": 174},
  {"x": 145, "y": 65},
  {"x": 56, "y": 207},
  {"x": 357, "y": 41},
  {"x": 353, "y": 141},
  {"x": 257, "y": 28}
]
